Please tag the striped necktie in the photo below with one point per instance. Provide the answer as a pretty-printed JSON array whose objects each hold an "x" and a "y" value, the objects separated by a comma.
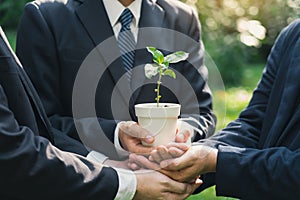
[{"x": 126, "y": 41}]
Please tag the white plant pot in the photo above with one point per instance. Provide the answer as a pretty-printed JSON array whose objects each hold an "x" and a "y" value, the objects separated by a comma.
[{"x": 160, "y": 121}]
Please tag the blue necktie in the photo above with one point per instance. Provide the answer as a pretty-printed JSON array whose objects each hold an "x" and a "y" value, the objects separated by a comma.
[{"x": 126, "y": 41}]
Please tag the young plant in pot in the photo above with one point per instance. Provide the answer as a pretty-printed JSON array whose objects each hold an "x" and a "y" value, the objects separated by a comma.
[{"x": 160, "y": 119}]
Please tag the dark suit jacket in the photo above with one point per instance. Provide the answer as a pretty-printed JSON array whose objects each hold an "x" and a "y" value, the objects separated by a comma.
[
  {"x": 55, "y": 37},
  {"x": 30, "y": 166},
  {"x": 259, "y": 153}
]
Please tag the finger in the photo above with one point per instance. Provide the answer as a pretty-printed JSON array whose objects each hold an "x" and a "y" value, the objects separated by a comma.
[
  {"x": 183, "y": 136},
  {"x": 179, "y": 138},
  {"x": 175, "y": 164},
  {"x": 182, "y": 146},
  {"x": 133, "y": 166},
  {"x": 180, "y": 188},
  {"x": 194, "y": 180},
  {"x": 175, "y": 152},
  {"x": 185, "y": 191},
  {"x": 133, "y": 129},
  {"x": 148, "y": 139},
  {"x": 155, "y": 156},
  {"x": 140, "y": 149},
  {"x": 171, "y": 174},
  {"x": 144, "y": 162},
  {"x": 164, "y": 153}
]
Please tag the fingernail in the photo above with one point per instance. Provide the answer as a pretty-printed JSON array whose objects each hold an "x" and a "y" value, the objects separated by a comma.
[{"x": 149, "y": 139}]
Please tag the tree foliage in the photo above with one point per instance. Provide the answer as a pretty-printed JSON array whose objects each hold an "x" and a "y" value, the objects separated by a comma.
[
  {"x": 10, "y": 12},
  {"x": 237, "y": 32}
]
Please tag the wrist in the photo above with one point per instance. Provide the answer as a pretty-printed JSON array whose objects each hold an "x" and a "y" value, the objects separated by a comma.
[
  {"x": 212, "y": 160},
  {"x": 138, "y": 185},
  {"x": 206, "y": 157}
]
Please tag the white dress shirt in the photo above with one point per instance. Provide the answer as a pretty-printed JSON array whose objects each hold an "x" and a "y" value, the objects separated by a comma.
[{"x": 114, "y": 9}]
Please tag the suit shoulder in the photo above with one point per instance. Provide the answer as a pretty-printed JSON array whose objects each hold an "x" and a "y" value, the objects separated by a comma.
[
  {"x": 44, "y": 4},
  {"x": 54, "y": 4},
  {"x": 294, "y": 28},
  {"x": 51, "y": 7},
  {"x": 176, "y": 6},
  {"x": 290, "y": 34},
  {"x": 48, "y": 2}
]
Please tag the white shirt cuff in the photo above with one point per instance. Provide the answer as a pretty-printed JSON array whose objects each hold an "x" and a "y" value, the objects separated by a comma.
[
  {"x": 121, "y": 152},
  {"x": 96, "y": 156},
  {"x": 127, "y": 184}
]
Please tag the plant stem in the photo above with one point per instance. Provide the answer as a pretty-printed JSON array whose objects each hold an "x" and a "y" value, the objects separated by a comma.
[{"x": 158, "y": 88}]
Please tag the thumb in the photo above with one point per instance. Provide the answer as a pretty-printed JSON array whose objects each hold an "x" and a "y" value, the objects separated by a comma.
[
  {"x": 148, "y": 139},
  {"x": 170, "y": 164},
  {"x": 183, "y": 136}
]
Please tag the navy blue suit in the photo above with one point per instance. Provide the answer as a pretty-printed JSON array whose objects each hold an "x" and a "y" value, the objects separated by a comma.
[
  {"x": 259, "y": 153},
  {"x": 30, "y": 166},
  {"x": 60, "y": 34}
]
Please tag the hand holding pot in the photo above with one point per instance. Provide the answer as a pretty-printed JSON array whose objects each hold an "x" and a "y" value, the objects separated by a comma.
[{"x": 131, "y": 136}]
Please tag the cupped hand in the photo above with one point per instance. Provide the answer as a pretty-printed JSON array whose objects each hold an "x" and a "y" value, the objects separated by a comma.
[
  {"x": 196, "y": 160},
  {"x": 154, "y": 185},
  {"x": 160, "y": 153}
]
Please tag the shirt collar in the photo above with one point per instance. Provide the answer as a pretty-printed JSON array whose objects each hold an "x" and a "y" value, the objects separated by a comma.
[{"x": 114, "y": 9}]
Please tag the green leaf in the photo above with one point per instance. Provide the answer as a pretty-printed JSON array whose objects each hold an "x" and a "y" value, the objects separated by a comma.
[
  {"x": 151, "y": 70},
  {"x": 176, "y": 57},
  {"x": 170, "y": 72},
  {"x": 158, "y": 56}
]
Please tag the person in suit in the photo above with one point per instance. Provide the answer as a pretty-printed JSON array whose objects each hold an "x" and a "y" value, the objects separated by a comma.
[
  {"x": 59, "y": 41},
  {"x": 31, "y": 167},
  {"x": 257, "y": 156}
]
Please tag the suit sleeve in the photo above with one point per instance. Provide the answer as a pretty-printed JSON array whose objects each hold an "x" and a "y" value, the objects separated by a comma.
[
  {"x": 196, "y": 73},
  {"x": 31, "y": 168},
  {"x": 245, "y": 169},
  {"x": 36, "y": 48}
]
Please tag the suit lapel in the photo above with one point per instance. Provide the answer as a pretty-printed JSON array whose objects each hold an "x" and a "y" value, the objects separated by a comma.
[{"x": 101, "y": 31}]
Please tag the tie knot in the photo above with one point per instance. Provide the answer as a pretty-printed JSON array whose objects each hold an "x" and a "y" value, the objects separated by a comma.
[{"x": 126, "y": 19}]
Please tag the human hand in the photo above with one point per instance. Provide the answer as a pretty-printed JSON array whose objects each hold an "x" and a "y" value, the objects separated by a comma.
[
  {"x": 196, "y": 160},
  {"x": 172, "y": 150},
  {"x": 131, "y": 136},
  {"x": 154, "y": 185},
  {"x": 159, "y": 154},
  {"x": 183, "y": 136},
  {"x": 185, "y": 168},
  {"x": 184, "y": 132}
]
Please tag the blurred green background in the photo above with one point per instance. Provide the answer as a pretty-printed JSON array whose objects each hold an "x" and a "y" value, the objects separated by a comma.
[{"x": 237, "y": 35}]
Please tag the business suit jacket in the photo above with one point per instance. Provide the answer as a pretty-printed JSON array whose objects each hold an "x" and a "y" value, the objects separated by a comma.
[
  {"x": 30, "y": 166},
  {"x": 259, "y": 153},
  {"x": 61, "y": 34}
]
